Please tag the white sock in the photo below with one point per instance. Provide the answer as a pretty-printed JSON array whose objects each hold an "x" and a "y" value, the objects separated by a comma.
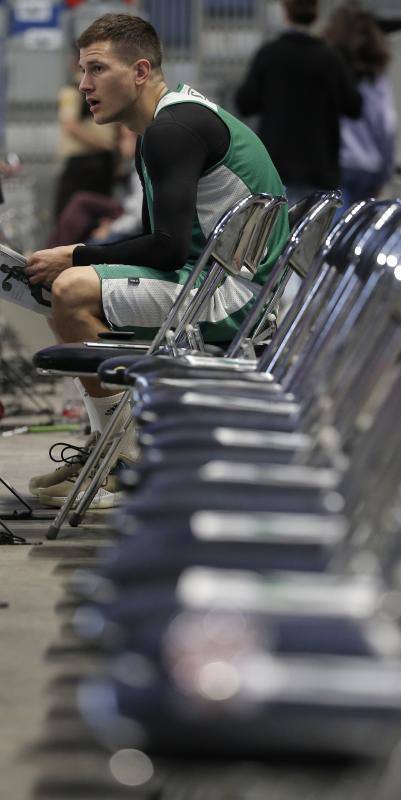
[
  {"x": 101, "y": 409},
  {"x": 90, "y": 409}
]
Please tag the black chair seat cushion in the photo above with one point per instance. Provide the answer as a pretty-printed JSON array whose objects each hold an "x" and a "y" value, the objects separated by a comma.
[
  {"x": 155, "y": 554},
  {"x": 169, "y": 416},
  {"x": 77, "y": 358},
  {"x": 83, "y": 359},
  {"x": 160, "y": 366},
  {"x": 113, "y": 370}
]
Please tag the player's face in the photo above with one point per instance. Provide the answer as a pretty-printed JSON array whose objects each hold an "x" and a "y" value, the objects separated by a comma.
[{"x": 108, "y": 83}]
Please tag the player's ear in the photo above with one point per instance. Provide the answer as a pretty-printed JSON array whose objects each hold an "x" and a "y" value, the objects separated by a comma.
[{"x": 142, "y": 69}]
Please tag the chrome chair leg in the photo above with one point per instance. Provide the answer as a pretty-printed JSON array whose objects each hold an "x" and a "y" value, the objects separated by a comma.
[
  {"x": 98, "y": 478},
  {"x": 93, "y": 459}
]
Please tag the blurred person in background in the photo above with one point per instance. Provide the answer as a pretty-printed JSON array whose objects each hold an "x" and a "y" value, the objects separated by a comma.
[
  {"x": 367, "y": 143},
  {"x": 8, "y": 169},
  {"x": 128, "y": 223},
  {"x": 86, "y": 151},
  {"x": 92, "y": 214},
  {"x": 300, "y": 87}
]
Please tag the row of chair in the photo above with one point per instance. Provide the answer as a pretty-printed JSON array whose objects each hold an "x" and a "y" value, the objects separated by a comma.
[
  {"x": 236, "y": 246},
  {"x": 251, "y": 602}
]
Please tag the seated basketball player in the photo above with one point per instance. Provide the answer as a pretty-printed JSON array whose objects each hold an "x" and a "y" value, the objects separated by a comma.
[{"x": 195, "y": 161}]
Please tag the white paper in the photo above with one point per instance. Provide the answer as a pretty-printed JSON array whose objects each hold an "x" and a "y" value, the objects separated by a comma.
[{"x": 15, "y": 287}]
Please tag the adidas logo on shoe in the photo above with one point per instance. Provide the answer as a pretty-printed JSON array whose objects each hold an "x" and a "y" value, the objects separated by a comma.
[{"x": 111, "y": 410}]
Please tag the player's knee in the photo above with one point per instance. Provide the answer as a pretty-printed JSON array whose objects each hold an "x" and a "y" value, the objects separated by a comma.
[{"x": 67, "y": 290}]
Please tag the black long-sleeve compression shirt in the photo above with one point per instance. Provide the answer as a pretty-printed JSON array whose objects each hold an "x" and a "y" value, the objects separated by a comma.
[{"x": 183, "y": 142}]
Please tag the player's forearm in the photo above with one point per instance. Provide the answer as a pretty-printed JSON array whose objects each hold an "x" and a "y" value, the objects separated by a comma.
[{"x": 157, "y": 251}]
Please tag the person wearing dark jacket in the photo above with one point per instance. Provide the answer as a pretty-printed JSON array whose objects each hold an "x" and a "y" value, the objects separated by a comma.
[
  {"x": 367, "y": 151},
  {"x": 300, "y": 87}
]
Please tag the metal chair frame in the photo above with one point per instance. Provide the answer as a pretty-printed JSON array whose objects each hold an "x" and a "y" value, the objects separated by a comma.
[
  {"x": 314, "y": 225},
  {"x": 310, "y": 310},
  {"x": 297, "y": 322},
  {"x": 340, "y": 351},
  {"x": 245, "y": 247},
  {"x": 369, "y": 480}
]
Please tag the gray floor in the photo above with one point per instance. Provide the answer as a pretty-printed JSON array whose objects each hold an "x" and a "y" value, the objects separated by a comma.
[{"x": 32, "y": 583}]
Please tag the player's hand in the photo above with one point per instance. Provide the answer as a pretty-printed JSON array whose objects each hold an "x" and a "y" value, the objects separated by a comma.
[{"x": 45, "y": 265}]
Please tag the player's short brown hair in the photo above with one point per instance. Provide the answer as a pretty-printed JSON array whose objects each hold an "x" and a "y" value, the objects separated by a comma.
[{"x": 132, "y": 37}]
